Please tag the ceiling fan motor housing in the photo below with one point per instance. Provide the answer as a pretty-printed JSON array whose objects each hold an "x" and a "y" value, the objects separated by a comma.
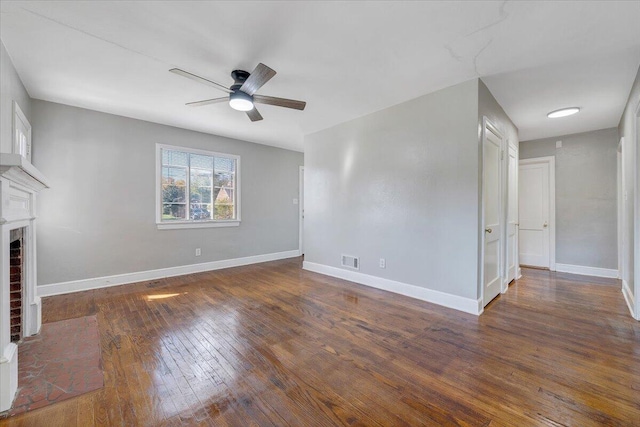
[{"x": 239, "y": 77}]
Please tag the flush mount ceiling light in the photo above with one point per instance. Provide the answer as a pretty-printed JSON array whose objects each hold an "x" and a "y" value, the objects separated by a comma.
[
  {"x": 564, "y": 112},
  {"x": 241, "y": 101}
]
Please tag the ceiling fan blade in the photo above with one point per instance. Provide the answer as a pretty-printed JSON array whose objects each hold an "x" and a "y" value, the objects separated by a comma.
[
  {"x": 207, "y": 102},
  {"x": 259, "y": 76},
  {"x": 199, "y": 79},
  {"x": 280, "y": 102},
  {"x": 254, "y": 115}
]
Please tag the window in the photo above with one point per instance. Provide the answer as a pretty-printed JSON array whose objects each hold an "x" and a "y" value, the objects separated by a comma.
[
  {"x": 21, "y": 133},
  {"x": 196, "y": 188}
]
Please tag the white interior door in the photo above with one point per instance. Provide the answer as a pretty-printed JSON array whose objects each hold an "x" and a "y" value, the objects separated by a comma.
[
  {"x": 512, "y": 214},
  {"x": 534, "y": 212},
  {"x": 492, "y": 205}
]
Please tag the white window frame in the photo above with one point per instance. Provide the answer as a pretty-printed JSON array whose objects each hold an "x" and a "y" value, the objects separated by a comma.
[
  {"x": 191, "y": 223},
  {"x": 21, "y": 133}
]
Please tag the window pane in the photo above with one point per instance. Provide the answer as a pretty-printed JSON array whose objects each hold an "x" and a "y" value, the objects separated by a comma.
[
  {"x": 202, "y": 162},
  {"x": 200, "y": 194},
  {"x": 224, "y": 211},
  {"x": 174, "y": 182},
  {"x": 174, "y": 211},
  {"x": 225, "y": 165},
  {"x": 175, "y": 176},
  {"x": 200, "y": 211},
  {"x": 174, "y": 158},
  {"x": 223, "y": 180},
  {"x": 173, "y": 194},
  {"x": 200, "y": 178}
]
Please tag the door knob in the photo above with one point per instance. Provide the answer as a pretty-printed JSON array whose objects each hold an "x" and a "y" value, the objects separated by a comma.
[
  {"x": 488, "y": 230},
  {"x": 545, "y": 224}
]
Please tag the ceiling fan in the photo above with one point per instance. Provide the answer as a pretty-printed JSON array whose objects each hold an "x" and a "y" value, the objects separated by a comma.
[{"x": 242, "y": 94}]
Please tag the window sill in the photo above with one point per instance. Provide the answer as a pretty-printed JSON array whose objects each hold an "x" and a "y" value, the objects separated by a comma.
[{"x": 198, "y": 224}]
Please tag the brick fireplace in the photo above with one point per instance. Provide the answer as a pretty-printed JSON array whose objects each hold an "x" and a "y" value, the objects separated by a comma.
[
  {"x": 15, "y": 284},
  {"x": 20, "y": 306}
]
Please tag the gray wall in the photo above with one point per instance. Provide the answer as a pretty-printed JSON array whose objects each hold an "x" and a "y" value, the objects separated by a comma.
[
  {"x": 11, "y": 89},
  {"x": 98, "y": 217},
  {"x": 400, "y": 184},
  {"x": 489, "y": 107},
  {"x": 626, "y": 129},
  {"x": 586, "y": 198}
]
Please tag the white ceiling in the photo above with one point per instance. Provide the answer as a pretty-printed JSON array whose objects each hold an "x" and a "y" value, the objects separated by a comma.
[{"x": 346, "y": 59}]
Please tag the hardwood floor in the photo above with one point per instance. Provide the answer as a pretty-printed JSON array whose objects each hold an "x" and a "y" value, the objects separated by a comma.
[{"x": 272, "y": 345}]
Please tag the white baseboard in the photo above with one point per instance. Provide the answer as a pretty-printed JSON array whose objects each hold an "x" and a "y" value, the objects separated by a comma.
[
  {"x": 141, "y": 276},
  {"x": 467, "y": 305},
  {"x": 628, "y": 297},
  {"x": 587, "y": 271}
]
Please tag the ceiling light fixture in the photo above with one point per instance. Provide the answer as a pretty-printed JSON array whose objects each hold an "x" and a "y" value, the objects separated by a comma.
[
  {"x": 563, "y": 112},
  {"x": 241, "y": 101}
]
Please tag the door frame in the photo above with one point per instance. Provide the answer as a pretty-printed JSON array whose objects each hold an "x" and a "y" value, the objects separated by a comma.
[
  {"x": 636, "y": 211},
  {"x": 551, "y": 160},
  {"x": 518, "y": 273},
  {"x": 486, "y": 123},
  {"x": 301, "y": 210}
]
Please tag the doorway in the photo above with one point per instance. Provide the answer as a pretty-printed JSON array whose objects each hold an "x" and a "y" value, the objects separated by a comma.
[{"x": 536, "y": 209}]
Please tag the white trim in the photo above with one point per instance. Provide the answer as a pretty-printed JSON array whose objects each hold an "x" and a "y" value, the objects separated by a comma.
[
  {"x": 188, "y": 223},
  {"x": 8, "y": 375},
  {"x": 466, "y": 305},
  {"x": 552, "y": 204},
  {"x": 628, "y": 297},
  {"x": 635, "y": 172},
  {"x": 195, "y": 224},
  {"x": 301, "y": 210},
  {"x": 588, "y": 271},
  {"x": 141, "y": 276},
  {"x": 19, "y": 117}
]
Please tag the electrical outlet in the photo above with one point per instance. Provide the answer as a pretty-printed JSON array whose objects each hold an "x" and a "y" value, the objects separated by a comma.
[
  {"x": 383, "y": 263},
  {"x": 295, "y": 201},
  {"x": 198, "y": 252},
  {"x": 558, "y": 144}
]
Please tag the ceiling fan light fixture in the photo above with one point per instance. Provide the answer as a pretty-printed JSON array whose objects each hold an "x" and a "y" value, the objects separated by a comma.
[
  {"x": 241, "y": 101},
  {"x": 564, "y": 112}
]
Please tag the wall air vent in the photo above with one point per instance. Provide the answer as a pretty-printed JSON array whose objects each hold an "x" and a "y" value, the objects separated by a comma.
[{"x": 350, "y": 262}]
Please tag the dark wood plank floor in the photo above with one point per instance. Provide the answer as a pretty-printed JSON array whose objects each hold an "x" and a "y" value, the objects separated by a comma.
[{"x": 273, "y": 345}]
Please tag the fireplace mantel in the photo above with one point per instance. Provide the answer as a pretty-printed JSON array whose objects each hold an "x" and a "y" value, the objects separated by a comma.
[
  {"x": 20, "y": 183},
  {"x": 16, "y": 168}
]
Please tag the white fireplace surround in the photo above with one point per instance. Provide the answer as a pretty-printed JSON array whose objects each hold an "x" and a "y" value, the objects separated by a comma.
[{"x": 20, "y": 181}]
